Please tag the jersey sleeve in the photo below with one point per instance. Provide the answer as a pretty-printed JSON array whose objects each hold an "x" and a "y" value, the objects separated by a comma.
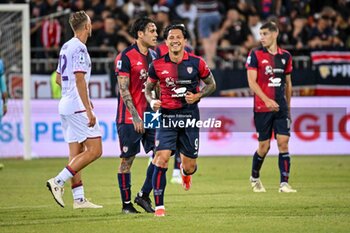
[
  {"x": 80, "y": 59},
  {"x": 117, "y": 64},
  {"x": 58, "y": 70},
  {"x": 123, "y": 66},
  {"x": 203, "y": 68},
  {"x": 152, "y": 75},
  {"x": 252, "y": 61},
  {"x": 289, "y": 66}
]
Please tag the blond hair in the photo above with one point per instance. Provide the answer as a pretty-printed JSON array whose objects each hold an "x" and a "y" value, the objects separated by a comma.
[{"x": 77, "y": 20}]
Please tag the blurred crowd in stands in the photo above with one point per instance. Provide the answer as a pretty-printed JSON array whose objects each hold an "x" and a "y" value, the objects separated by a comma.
[{"x": 224, "y": 30}]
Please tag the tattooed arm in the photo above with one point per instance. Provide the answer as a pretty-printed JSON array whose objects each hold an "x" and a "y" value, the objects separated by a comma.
[
  {"x": 209, "y": 88},
  {"x": 123, "y": 83},
  {"x": 155, "y": 103}
]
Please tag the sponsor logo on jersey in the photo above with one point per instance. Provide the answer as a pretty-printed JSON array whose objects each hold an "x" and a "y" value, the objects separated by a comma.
[
  {"x": 143, "y": 74},
  {"x": 179, "y": 92},
  {"x": 170, "y": 82},
  {"x": 268, "y": 70},
  {"x": 274, "y": 82}
]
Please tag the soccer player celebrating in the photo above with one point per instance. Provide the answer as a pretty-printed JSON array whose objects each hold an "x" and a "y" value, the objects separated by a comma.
[
  {"x": 80, "y": 126},
  {"x": 161, "y": 50},
  {"x": 178, "y": 73},
  {"x": 269, "y": 75},
  {"x": 131, "y": 69}
]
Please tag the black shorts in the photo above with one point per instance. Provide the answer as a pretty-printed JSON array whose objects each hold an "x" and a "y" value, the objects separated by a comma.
[
  {"x": 265, "y": 122},
  {"x": 129, "y": 140},
  {"x": 183, "y": 139}
]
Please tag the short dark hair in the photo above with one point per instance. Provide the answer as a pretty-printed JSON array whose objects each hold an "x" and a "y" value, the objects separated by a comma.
[
  {"x": 77, "y": 20},
  {"x": 140, "y": 25},
  {"x": 270, "y": 25},
  {"x": 176, "y": 26}
]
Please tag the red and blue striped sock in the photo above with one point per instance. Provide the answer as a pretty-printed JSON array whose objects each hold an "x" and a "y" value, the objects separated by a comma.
[
  {"x": 147, "y": 185},
  {"x": 284, "y": 165},
  {"x": 124, "y": 186},
  {"x": 257, "y": 164},
  {"x": 159, "y": 183}
]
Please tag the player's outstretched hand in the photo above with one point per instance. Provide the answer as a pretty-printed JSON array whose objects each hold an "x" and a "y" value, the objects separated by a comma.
[
  {"x": 155, "y": 105},
  {"x": 138, "y": 124},
  {"x": 272, "y": 105},
  {"x": 191, "y": 98},
  {"x": 92, "y": 118}
]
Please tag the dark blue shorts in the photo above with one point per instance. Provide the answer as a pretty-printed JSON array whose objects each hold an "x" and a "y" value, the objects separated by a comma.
[
  {"x": 129, "y": 140},
  {"x": 184, "y": 139},
  {"x": 265, "y": 122}
]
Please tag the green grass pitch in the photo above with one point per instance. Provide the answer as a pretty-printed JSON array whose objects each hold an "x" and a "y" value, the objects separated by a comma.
[{"x": 220, "y": 200}]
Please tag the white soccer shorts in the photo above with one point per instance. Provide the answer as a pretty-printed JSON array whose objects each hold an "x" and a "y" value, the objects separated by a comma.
[{"x": 75, "y": 128}]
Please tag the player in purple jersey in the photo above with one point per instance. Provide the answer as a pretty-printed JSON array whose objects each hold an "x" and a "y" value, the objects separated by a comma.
[
  {"x": 131, "y": 70},
  {"x": 269, "y": 76},
  {"x": 178, "y": 74},
  {"x": 80, "y": 126}
]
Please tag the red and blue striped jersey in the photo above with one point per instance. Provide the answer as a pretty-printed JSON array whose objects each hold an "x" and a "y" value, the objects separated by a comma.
[
  {"x": 176, "y": 79},
  {"x": 134, "y": 65},
  {"x": 271, "y": 75}
]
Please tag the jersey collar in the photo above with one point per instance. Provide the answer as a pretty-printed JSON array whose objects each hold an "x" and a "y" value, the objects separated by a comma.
[
  {"x": 279, "y": 50},
  {"x": 138, "y": 50},
  {"x": 185, "y": 57}
]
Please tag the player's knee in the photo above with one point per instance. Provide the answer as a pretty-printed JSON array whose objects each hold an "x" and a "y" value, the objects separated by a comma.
[
  {"x": 263, "y": 149},
  {"x": 161, "y": 160},
  {"x": 189, "y": 168},
  {"x": 125, "y": 164},
  {"x": 283, "y": 146},
  {"x": 95, "y": 152},
  {"x": 98, "y": 152}
]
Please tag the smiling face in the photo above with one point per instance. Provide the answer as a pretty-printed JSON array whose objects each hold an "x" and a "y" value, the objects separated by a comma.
[
  {"x": 175, "y": 41},
  {"x": 149, "y": 36}
]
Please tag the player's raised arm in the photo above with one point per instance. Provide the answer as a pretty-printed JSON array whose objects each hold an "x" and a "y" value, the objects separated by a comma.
[{"x": 123, "y": 83}]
